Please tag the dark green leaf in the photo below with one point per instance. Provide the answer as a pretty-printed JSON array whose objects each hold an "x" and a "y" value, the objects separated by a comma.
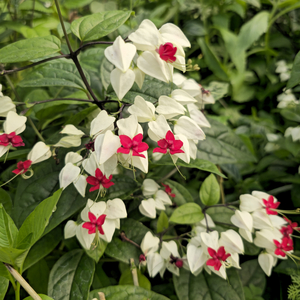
[
  {"x": 38, "y": 276},
  {"x": 28, "y": 49},
  {"x": 212, "y": 61},
  {"x": 4, "y": 282},
  {"x": 37, "y": 221},
  {"x": 126, "y": 292},
  {"x": 3, "y": 271},
  {"x": 71, "y": 276},
  {"x": 5, "y": 200},
  {"x": 105, "y": 70},
  {"x": 95, "y": 26},
  {"x": 188, "y": 213},
  {"x": 208, "y": 287},
  {"x": 182, "y": 195},
  {"x": 126, "y": 279},
  {"x": 210, "y": 191},
  {"x": 54, "y": 73},
  {"x": 222, "y": 146},
  {"x": 123, "y": 251},
  {"x": 8, "y": 229},
  {"x": 295, "y": 75},
  {"x": 252, "y": 273},
  {"x": 43, "y": 247},
  {"x": 200, "y": 164}
]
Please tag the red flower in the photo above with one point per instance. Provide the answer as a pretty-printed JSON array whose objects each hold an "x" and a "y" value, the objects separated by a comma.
[
  {"x": 22, "y": 167},
  {"x": 11, "y": 139},
  {"x": 285, "y": 245},
  {"x": 167, "y": 52},
  {"x": 94, "y": 224},
  {"x": 142, "y": 258},
  {"x": 215, "y": 261},
  {"x": 135, "y": 144},
  {"x": 168, "y": 190},
  {"x": 169, "y": 143},
  {"x": 270, "y": 205},
  {"x": 99, "y": 180}
]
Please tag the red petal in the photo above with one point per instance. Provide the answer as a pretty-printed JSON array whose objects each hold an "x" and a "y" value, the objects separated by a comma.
[
  {"x": 126, "y": 141},
  {"x": 91, "y": 227},
  {"x": 138, "y": 138},
  {"x": 100, "y": 220},
  {"x": 177, "y": 145},
  {"x": 142, "y": 147},
  {"x": 17, "y": 171},
  {"x": 98, "y": 174},
  {"x": 159, "y": 150},
  {"x": 211, "y": 262},
  {"x": 92, "y": 217},
  {"x": 123, "y": 150},
  {"x": 221, "y": 252},
  {"x": 162, "y": 144},
  {"x": 92, "y": 180},
  {"x": 107, "y": 184},
  {"x": 176, "y": 151},
  {"x": 211, "y": 252},
  {"x": 170, "y": 136},
  {"x": 94, "y": 188},
  {"x": 134, "y": 153}
]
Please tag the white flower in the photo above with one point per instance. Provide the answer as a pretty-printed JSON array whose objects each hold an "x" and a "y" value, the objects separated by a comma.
[
  {"x": 149, "y": 187},
  {"x": 169, "y": 253},
  {"x": 149, "y": 243},
  {"x": 39, "y": 153},
  {"x": 101, "y": 217},
  {"x": 73, "y": 138},
  {"x": 197, "y": 116},
  {"x": 244, "y": 221},
  {"x": 121, "y": 55},
  {"x": 232, "y": 241},
  {"x": 154, "y": 263},
  {"x": 14, "y": 123},
  {"x": 189, "y": 128},
  {"x": 143, "y": 110},
  {"x": 169, "y": 107},
  {"x": 6, "y": 105},
  {"x": 148, "y": 208},
  {"x": 102, "y": 123},
  {"x": 294, "y": 132},
  {"x": 266, "y": 261}
]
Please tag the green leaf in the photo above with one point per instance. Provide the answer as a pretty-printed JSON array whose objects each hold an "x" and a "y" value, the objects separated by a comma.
[
  {"x": 188, "y": 213},
  {"x": 38, "y": 276},
  {"x": 223, "y": 146},
  {"x": 210, "y": 191},
  {"x": 29, "y": 49},
  {"x": 123, "y": 251},
  {"x": 8, "y": 229},
  {"x": 3, "y": 271},
  {"x": 208, "y": 287},
  {"x": 15, "y": 155},
  {"x": 4, "y": 282},
  {"x": 126, "y": 279},
  {"x": 212, "y": 61},
  {"x": 71, "y": 276},
  {"x": 252, "y": 30},
  {"x": 43, "y": 247},
  {"x": 54, "y": 73},
  {"x": 252, "y": 273},
  {"x": 220, "y": 214},
  {"x": 151, "y": 90},
  {"x": 97, "y": 252},
  {"x": 71, "y": 4},
  {"x": 218, "y": 89},
  {"x": 92, "y": 59},
  {"x": 126, "y": 292},
  {"x": 13, "y": 256},
  {"x": 200, "y": 164},
  {"x": 95, "y": 26},
  {"x": 37, "y": 221},
  {"x": 291, "y": 113},
  {"x": 182, "y": 195},
  {"x": 295, "y": 74},
  {"x": 5, "y": 200},
  {"x": 162, "y": 222}
]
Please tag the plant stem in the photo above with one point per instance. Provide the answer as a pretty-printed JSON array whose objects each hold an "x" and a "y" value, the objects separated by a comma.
[
  {"x": 4, "y": 72},
  {"x": 126, "y": 239},
  {"x": 134, "y": 273},
  {"x": 35, "y": 129},
  {"x": 22, "y": 281},
  {"x": 171, "y": 173},
  {"x": 63, "y": 26}
]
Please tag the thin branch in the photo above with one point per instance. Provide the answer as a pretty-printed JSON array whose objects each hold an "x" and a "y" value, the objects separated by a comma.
[
  {"x": 5, "y": 72},
  {"x": 91, "y": 44},
  {"x": 226, "y": 224},
  {"x": 56, "y": 99},
  {"x": 35, "y": 129},
  {"x": 126, "y": 239},
  {"x": 171, "y": 173},
  {"x": 134, "y": 273},
  {"x": 63, "y": 26},
  {"x": 23, "y": 282}
]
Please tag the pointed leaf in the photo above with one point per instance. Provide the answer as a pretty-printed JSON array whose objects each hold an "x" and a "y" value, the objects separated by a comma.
[
  {"x": 8, "y": 229},
  {"x": 71, "y": 276},
  {"x": 29, "y": 49},
  {"x": 4, "y": 282},
  {"x": 210, "y": 191},
  {"x": 95, "y": 26},
  {"x": 188, "y": 213}
]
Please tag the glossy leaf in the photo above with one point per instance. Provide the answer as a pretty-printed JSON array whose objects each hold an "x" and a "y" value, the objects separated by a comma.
[
  {"x": 8, "y": 229},
  {"x": 188, "y": 213},
  {"x": 222, "y": 146},
  {"x": 37, "y": 221},
  {"x": 210, "y": 191},
  {"x": 29, "y": 49},
  {"x": 4, "y": 282},
  {"x": 123, "y": 251},
  {"x": 182, "y": 195},
  {"x": 95, "y": 26},
  {"x": 61, "y": 72},
  {"x": 71, "y": 276},
  {"x": 97, "y": 252},
  {"x": 208, "y": 287},
  {"x": 126, "y": 292}
]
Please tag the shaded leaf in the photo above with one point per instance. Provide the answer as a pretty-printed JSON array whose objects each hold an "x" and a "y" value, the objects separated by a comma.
[
  {"x": 210, "y": 191},
  {"x": 126, "y": 279}
]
